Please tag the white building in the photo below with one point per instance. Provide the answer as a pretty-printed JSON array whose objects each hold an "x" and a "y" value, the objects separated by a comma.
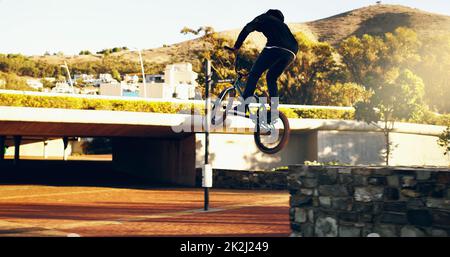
[
  {"x": 131, "y": 79},
  {"x": 179, "y": 82},
  {"x": 50, "y": 79},
  {"x": 111, "y": 89},
  {"x": 63, "y": 87},
  {"x": 180, "y": 73},
  {"x": 89, "y": 90},
  {"x": 157, "y": 90},
  {"x": 154, "y": 78},
  {"x": 35, "y": 83},
  {"x": 85, "y": 77},
  {"x": 106, "y": 78},
  {"x": 132, "y": 87}
]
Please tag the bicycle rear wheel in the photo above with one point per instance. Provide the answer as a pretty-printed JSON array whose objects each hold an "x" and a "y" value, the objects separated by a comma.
[
  {"x": 272, "y": 138},
  {"x": 220, "y": 108}
]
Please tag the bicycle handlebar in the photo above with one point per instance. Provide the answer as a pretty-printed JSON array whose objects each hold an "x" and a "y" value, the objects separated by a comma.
[{"x": 229, "y": 48}]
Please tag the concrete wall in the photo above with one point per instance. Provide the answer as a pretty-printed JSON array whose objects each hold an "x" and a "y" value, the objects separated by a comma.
[
  {"x": 157, "y": 90},
  {"x": 111, "y": 89},
  {"x": 160, "y": 160},
  {"x": 417, "y": 150},
  {"x": 367, "y": 148},
  {"x": 180, "y": 73},
  {"x": 239, "y": 152},
  {"x": 54, "y": 148},
  {"x": 350, "y": 147},
  {"x": 358, "y": 201}
]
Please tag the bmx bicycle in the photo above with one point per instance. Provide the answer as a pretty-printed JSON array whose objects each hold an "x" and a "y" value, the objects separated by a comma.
[{"x": 271, "y": 133}]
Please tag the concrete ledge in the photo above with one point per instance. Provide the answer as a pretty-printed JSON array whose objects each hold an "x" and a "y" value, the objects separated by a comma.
[{"x": 181, "y": 122}]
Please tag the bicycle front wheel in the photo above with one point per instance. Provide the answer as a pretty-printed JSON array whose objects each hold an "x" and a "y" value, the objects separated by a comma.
[
  {"x": 271, "y": 137},
  {"x": 221, "y": 106}
]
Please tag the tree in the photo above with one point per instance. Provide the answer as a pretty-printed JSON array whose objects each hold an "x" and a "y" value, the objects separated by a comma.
[
  {"x": 116, "y": 75},
  {"x": 340, "y": 94},
  {"x": 370, "y": 58},
  {"x": 315, "y": 68},
  {"x": 14, "y": 82},
  {"x": 393, "y": 100},
  {"x": 434, "y": 69},
  {"x": 80, "y": 82},
  {"x": 222, "y": 60},
  {"x": 85, "y": 52},
  {"x": 187, "y": 30},
  {"x": 444, "y": 140},
  {"x": 47, "y": 83},
  {"x": 205, "y": 29}
]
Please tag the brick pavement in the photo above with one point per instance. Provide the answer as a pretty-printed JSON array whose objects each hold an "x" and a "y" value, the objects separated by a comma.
[{"x": 27, "y": 210}]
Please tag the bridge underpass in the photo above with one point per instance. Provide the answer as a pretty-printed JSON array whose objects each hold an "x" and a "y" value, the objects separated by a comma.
[
  {"x": 155, "y": 147},
  {"x": 143, "y": 143}
]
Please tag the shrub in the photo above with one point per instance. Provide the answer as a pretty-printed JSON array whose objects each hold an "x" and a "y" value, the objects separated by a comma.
[
  {"x": 290, "y": 113},
  {"x": 67, "y": 102},
  {"x": 325, "y": 114},
  {"x": 64, "y": 102},
  {"x": 429, "y": 117}
]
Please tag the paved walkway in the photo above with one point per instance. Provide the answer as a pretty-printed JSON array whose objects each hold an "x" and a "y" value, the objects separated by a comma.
[{"x": 27, "y": 210}]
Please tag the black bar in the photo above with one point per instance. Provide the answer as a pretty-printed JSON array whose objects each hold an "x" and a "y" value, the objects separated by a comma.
[{"x": 172, "y": 246}]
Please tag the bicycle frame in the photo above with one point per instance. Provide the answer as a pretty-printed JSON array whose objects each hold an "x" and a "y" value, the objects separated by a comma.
[
  {"x": 236, "y": 85},
  {"x": 260, "y": 107}
]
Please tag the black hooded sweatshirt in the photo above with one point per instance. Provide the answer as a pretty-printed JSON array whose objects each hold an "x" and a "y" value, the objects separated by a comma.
[{"x": 276, "y": 31}]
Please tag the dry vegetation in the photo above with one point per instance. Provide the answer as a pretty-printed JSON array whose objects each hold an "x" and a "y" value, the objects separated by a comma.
[{"x": 376, "y": 19}]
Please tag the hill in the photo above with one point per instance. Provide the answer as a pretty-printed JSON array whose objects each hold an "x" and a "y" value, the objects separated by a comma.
[{"x": 374, "y": 20}]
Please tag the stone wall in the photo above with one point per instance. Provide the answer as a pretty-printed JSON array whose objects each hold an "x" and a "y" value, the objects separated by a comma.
[
  {"x": 358, "y": 201},
  {"x": 236, "y": 179}
]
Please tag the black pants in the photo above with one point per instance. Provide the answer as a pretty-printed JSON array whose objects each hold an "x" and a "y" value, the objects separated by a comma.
[{"x": 276, "y": 60}]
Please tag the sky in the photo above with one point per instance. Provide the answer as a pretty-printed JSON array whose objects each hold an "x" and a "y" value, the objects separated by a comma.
[{"x": 33, "y": 27}]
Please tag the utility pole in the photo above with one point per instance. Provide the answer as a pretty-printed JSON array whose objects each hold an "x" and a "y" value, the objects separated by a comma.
[
  {"x": 143, "y": 72},
  {"x": 68, "y": 74}
]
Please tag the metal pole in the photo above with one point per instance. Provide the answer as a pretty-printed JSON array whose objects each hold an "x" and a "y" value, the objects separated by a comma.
[
  {"x": 207, "y": 120},
  {"x": 143, "y": 73},
  {"x": 17, "y": 140},
  {"x": 70, "y": 78},
  {"x": 65, "y": 143}
]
